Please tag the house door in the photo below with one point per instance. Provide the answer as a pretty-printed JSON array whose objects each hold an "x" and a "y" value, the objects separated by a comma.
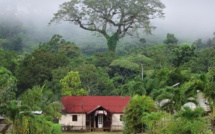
[{"x": 100, "y": 121}]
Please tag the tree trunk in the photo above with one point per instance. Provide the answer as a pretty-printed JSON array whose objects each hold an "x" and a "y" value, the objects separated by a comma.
[
  {"x": 142, "y": 71},
  {"x": 112, "y": 42}
]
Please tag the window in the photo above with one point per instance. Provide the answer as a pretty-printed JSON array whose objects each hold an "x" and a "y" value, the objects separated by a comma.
[
  {"x": 120, "y": 118},
  {"x": 74, "y": 118}
]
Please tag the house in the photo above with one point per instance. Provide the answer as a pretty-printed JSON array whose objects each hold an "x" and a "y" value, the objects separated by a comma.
[{"x": 93, "y": 113}]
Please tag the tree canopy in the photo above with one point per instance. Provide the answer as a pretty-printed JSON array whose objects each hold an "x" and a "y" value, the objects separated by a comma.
[
  {"x": 111, "y": 18},
  {"x": 7, "y": 85},
  {"x": 71, "y": 85},
  {"x": 171, "y": 39}
]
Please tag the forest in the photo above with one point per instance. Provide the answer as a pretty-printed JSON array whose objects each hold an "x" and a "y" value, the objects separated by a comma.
[{"x": 37, "y": 72}]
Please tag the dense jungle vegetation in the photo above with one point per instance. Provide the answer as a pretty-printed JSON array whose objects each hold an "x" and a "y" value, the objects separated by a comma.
[
  {"x": 59, "y": 67},
  {"x": 38, "y": 72}
]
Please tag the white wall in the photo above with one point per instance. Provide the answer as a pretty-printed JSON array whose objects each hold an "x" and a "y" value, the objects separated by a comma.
[
  {"x": 116, "y": 123},
  {"x": 66, "y": 120}
]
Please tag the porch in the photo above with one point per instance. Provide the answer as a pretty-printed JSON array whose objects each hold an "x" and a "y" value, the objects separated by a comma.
[
  {"x": 115, "y": 128},
  {"x": 99, "y": 119}
]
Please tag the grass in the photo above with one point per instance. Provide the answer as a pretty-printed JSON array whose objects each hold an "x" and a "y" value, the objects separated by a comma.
[{"x": 92, "y": 133}]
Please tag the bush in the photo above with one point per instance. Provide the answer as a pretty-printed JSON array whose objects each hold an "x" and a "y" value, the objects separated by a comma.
[{"x": 56, "y": 128}]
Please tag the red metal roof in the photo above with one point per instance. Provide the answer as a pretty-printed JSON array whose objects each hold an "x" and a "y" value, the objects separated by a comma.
[{"x": 84, "y": 104}]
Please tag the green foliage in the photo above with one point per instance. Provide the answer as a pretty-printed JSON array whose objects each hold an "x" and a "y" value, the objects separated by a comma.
[
  {"x": 53, "y": 110},
  {"x": 143, "y": 62},
  {"x": 210, "y": 42},
  {"x": 42, "y": 99},
  {"x": 35, "y": 125},
  {"x": 132, "y": 87},
  {"x": 176, "y": 97},
  {"x": 7, "y": 85},
  {"x": 150, "y": 85},
  {"x": 138, "y": 107},
  {"x": 141, "y": 59},
  {"x": 203, "y": 61},
  {"x": 122, "y": 70},
  {"x": 159, "y": 55},
  {"x": 198, "y": 44},
  {"x": 142, "y": 40},
  {"x": 169, "y": 77},
  {"x": 71, "y": 85},
  {"x": 103, "y": 59},
  {"x": 53, "y": 45},
  {"x": 22, "y": 125},
  {"x": 58, "y": 45},
  {"x": 125, "y": 64},
  {"x": 54, "y": 85},
  {"x": 11, "y": 35},
  {"x": 34, "y": 95},
  {"x": 183, "y": 54},
  {"x": 188, "y": 121},
  {"x": 3, "y": 41},
  {"x": 142, "y": 70},
  {"x": 155, "y": 121},
  {"x": 190, "y": 114},
  {"x": 99, "y": 16},
  {"x": 9, "y": 60},
  {"x": 95, "y": 80},
  {"x": 38, "y": 125},
  {"x": 171, "y": 39},
  {"x": 56, "y": 128},
  {"x": 16, "y": 115},
  {"x": 24, "y": 122},
  {"x": 36, "y": 68},
  {"x": 12, "y": 111},
  {"x": 209, "y": 91}
]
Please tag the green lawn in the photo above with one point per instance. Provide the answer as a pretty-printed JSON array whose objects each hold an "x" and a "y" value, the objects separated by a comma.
[{"x": 92, "y": 133}]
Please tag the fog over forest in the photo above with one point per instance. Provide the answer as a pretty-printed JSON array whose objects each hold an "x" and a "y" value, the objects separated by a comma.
[{"x": 188, "y": 20}]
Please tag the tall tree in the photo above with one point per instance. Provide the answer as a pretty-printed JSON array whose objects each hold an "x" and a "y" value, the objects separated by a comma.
[
  {"x": 198, "y": 44},
  {"x": 71, "y": 85},
  {"x": 37, "y": 67},
  {"x": 58, "y": 45},
  {"x": 123, "y": 69},
  {"x": 171, "y": 39},
  {"x": 142, "y": 60},
  {"x": 95, "y": 80},
  {"x": 183, "y": 54},
  {"x": 125, "y": 16}
]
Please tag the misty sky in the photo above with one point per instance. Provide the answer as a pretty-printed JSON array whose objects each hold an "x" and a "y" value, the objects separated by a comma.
[
  {"x": 184, "y": 18},
  {"x": 189, "y": 17}
]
